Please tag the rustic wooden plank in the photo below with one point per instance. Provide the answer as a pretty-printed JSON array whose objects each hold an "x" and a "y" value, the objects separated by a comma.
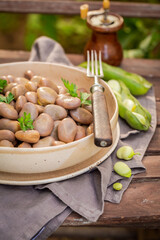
[
  {"x": 152, "y": 165},
  {"x": 154, "y": 146},
  {"x": 138, "y": 208},
  {"x": 156, "y": 84},
  {"x": 7, "y": 56},
  {"x": 127, "y": 9},
  {"x": 145, "y": 67},
  {"x": 158, "y": 113}
]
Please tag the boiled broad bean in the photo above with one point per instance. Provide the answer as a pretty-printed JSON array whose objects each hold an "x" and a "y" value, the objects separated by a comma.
[
  {"x": 18, "y": 90},
  {"x": 31, "y": 97},
  {"x": 8, "y": 124},
  {"x": 67, "y": 130},
  {"x": 80, "y": 133},
  {"x": 36, "y": 79},
  {"x": 7, "y": 135},
  {"x": 40, "y": 108},
  {"x": 44, "y": 142},
  {"x": 28, "y": 74},
  {"x": 58, "y": 143},
  {"x": 68, "y": 102},
  {"x": 24, "y": 145},
  {"x": 81, "y": 115},
  {"x": 88, "y": 108},
  {"x": 9, "y": 87},
  {"x": 31, "y": 86},
  {"x": 7, "y": 111},
  {"x": 90, "y": 129},
  {"x": 29, "y": 136},
  {"x": 21, "y": 100},
  {"x": 43, "y": 124},
  {"x": 44, "y": 82},
  {"x": 21, "y": 80},
  {"x": 29, "y": 108},
  {"x": 62, "y": 90},
  {"x": 4, "y": 78},
  {"x": 54, "y": 132},
  {"x": 46, "y": 95},
  {"x": 6, "y": 143},
  {"x": 55, "y": 111},
  {"x": 10, "y": 78}
]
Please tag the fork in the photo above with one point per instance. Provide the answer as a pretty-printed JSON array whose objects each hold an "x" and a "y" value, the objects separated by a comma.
[{"x": 102, "y": 128}]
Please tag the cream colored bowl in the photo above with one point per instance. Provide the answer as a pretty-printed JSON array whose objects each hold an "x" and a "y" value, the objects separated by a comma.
[{"x": 41, "y": 160}]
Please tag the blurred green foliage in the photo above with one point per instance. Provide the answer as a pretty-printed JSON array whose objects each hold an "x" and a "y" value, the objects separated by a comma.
[{"x": 139, "y": 37}]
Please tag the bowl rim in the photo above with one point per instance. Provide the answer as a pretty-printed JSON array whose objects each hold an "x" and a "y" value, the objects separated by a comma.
[{"x": 67, "y": 145}]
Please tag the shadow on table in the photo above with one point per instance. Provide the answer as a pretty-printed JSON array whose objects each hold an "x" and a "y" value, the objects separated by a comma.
[{"x": 100, "y": 233}]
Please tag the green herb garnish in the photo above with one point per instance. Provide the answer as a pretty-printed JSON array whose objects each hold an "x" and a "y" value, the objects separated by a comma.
[
  {"x": 26, "y": 122},
  {"x": 7, "y": 99},
  {"x": 83, "y": 97},
  {"x": 3, "y": 83},
  {"x": 72, "y": 90}
]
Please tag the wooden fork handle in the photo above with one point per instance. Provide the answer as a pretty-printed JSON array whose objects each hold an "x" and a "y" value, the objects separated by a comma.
[{"x": 102, "y": 128}]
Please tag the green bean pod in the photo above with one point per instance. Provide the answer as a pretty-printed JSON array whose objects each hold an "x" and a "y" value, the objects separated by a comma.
[
  {"x": 138, "y": 117},
  {"x": 137, "y": 84},
  {"x": 138, "y": 107}
]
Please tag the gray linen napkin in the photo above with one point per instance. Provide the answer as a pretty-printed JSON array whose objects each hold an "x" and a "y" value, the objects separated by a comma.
[{"x": 37, "y": 211}]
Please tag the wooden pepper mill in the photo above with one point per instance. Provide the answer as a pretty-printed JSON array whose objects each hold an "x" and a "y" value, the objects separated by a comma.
[{"x": 104, "y": 27}]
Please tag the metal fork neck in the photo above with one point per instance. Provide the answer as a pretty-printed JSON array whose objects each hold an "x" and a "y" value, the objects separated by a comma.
[
  {"x": 97, "y": 87},
  {"x": 96, "y": 81}
]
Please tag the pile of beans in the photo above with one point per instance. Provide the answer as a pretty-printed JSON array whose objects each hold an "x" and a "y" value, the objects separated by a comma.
[{"x": 58, "y": 118}]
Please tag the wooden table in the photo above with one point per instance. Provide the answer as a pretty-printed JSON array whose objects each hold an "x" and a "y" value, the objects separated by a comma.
[{"x": 140, "y": 205}]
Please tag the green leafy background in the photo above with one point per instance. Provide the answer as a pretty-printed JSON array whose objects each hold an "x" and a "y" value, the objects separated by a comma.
[{"x": 140, "y": 38}]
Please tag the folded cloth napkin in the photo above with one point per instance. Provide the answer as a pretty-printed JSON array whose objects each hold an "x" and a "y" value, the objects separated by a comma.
[{"x": 35, "y": 212}]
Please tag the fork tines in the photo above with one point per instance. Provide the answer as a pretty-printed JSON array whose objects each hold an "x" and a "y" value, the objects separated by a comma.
[{"x": 93, "y": 69}]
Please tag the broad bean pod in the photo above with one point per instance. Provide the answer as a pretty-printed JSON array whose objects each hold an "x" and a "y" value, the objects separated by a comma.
[
  {"x": 137, "y": 116},
  {"x": 137, "y": 84}
]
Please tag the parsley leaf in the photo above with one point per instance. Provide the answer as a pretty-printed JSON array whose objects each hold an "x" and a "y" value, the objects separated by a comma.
[
  {"x": 83, "y": 97},
  {"x": 26, "y": 122},
  {"x": 3, "y": 83},
  {"x": 72, "y": 88},
  {"x": 7, "y": 99},
  {"x": 10, "y": 97}
]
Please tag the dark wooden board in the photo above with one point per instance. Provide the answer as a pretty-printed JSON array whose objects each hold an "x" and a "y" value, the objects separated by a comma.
[
  {"x": 154, "y": 146},
  {"x": 158, "y": 113},
  {"x": 127, "y": 9},
  {"x": 138, "y": 208},
  {"x": 152, "y": 165}
]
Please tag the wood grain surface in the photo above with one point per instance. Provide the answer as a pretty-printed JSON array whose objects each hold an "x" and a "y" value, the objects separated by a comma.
[
  {"x": 140, "y": 205},
  {"x": 71, "y": 7}
]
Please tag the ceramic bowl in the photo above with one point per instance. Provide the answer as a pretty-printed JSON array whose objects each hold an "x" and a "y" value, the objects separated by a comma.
[{"x": 40, "y": 160}]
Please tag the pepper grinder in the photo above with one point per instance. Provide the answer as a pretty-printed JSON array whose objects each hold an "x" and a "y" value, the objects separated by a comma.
[{"x": 105, "y": 26}]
